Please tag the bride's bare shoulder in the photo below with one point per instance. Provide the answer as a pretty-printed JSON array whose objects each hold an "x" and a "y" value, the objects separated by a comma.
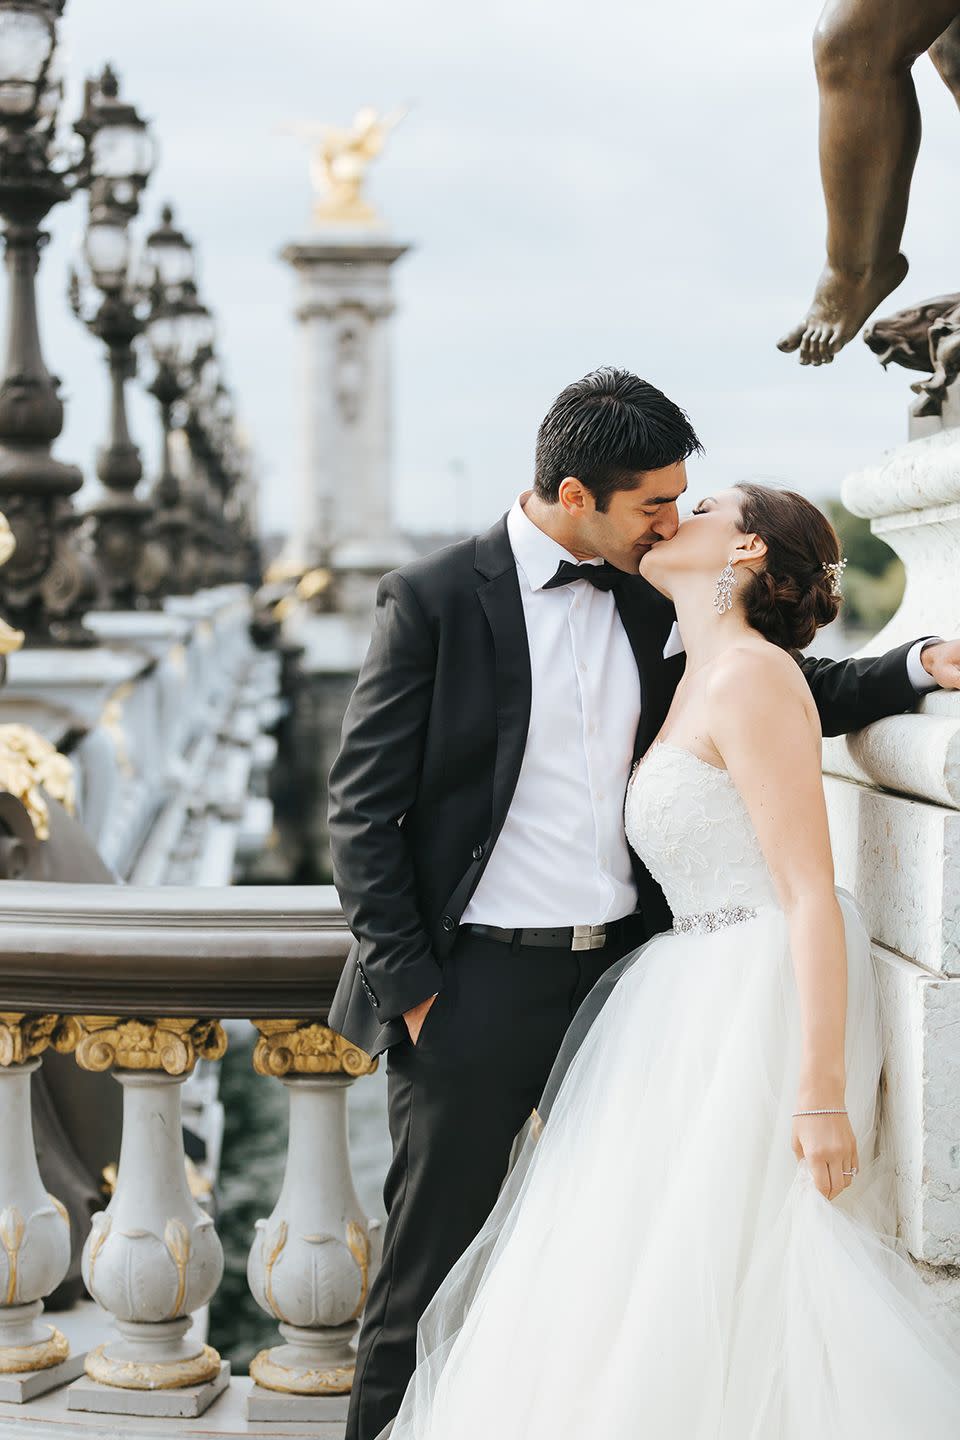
[{"x": 760, "y": 671}]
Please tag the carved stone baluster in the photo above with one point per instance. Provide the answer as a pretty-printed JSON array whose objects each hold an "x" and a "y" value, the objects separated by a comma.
[
  {"x": 309, "y": 1265},
  {"x": 34, "y": 1226},
  {"x": 153, "y": 1256}
]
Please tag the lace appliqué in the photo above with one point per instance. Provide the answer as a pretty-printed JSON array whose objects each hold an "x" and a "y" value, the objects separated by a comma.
[{"x": 687, "y": 822}]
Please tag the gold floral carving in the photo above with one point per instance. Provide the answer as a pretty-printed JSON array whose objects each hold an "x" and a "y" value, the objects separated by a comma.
[
  {"x": 173, "y": 1045},
  {"x": 139, "y": 1375},
  {"x": 23, "y": 1036},
  {"x": 304, "y": 1047},
  {"x": 29, "y": 764},
  {"x": 176, "y": 1237},
  {"x": 41, "y": 1356},
  {"x": 358, "y": 1243},
  {"x": 272, "y": 1376}
]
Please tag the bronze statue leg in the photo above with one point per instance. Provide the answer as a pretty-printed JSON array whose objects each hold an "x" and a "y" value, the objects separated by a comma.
[
  {"x": 945, "y": 54},
  {"x": 869, "y": 137}
]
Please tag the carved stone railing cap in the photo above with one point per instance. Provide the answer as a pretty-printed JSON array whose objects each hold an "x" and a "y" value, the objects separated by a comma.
[
  {"x": 231, "y": 951},
  {"x": 917, "y": 476}
]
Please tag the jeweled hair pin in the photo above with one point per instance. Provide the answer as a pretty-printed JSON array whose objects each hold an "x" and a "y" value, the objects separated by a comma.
[{"x": 834, "y": 569}]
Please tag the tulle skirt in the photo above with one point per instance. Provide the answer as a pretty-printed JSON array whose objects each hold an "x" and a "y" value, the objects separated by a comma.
[{"x": 658, "y": 1265}]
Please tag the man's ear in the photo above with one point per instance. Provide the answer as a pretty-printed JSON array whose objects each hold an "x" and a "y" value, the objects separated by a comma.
[{"x": 572, "y": 495}]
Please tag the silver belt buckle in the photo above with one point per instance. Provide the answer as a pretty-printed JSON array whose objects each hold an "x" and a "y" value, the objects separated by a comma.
[{"x": 589, "y": 937}]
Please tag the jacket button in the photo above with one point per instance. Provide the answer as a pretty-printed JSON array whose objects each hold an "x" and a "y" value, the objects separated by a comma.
[
  {"x": 478, "y": 852},
  {"x": 448, "y": 922}
]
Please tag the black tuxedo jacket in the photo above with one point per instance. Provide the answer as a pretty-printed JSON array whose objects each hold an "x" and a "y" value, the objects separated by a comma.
[{"x": 432, "y": 743}]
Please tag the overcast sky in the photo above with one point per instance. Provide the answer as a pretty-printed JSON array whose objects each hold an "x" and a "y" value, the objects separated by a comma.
[{"x": 581, "y": 183}]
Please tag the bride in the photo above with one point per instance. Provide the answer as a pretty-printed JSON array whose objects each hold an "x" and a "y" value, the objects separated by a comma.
[{"x": 695, "y": 1237}]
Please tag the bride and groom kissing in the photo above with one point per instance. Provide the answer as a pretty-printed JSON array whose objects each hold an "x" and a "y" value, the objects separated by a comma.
[{"x": 633, "y": 1049}]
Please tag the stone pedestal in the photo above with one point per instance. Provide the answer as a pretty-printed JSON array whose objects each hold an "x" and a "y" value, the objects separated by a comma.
[
  {"x": 344, "y": 305},
  {"x": 899, "y": 853}
]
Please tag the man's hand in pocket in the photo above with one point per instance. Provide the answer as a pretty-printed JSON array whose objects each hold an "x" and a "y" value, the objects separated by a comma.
[{"x": 416, "y": 1017}]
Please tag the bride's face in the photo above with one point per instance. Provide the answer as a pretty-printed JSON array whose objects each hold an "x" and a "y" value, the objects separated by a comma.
[{"x": 704, "y": 542}]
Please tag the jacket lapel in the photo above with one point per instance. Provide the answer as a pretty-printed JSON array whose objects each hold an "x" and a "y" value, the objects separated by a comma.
[
  {"x": 638, "y": 605},
  {"x": 499, "y": 595}
]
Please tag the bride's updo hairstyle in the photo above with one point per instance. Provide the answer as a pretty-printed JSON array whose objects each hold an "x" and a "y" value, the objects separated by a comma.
[{"x": 792, "y": 596}]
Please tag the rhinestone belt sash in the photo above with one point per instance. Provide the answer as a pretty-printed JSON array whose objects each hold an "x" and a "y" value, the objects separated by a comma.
[{"x": 712, "y": 920}]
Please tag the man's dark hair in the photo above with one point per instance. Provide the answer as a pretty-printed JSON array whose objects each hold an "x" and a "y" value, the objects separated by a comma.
[{"x": 605, "y": 430}]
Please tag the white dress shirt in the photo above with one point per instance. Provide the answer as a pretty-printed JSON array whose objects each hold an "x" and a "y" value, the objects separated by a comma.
[{"x": 562, "y": 856}]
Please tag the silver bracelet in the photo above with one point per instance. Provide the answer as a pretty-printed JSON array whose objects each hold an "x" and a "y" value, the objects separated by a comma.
[{"x": 819, "y": 1112}]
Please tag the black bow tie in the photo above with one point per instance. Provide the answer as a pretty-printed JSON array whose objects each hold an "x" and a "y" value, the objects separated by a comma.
[{"x": 604, "y": 576}]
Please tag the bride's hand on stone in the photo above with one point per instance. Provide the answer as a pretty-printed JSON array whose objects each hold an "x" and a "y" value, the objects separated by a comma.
[{"x": 829, "y": 1146}]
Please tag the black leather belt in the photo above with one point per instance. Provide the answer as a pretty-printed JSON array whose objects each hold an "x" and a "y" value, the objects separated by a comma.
[{"x": 564, "y": 937}]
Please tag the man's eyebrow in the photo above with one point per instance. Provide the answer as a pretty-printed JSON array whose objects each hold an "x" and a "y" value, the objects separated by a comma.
[
  {"x": 665, "y": 499},
  {"x": 708, "y": 498}
]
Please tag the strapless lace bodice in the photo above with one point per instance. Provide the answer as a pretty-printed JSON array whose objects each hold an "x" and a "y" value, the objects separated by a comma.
[{"x": 687, "y": 822}]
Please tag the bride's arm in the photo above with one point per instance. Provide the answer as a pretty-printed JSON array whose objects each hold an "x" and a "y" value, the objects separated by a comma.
[{"x": 764, "y": 724}]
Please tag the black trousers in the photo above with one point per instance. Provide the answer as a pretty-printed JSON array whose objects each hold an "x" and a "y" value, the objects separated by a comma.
[{"x": 456, "y": 1101}]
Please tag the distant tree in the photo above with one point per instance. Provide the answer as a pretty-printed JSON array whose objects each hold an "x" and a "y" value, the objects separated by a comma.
[{"x": 874, "y": 579}]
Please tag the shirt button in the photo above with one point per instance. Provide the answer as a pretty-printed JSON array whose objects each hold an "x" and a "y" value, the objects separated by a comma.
[{"x": 583, "y": 666}]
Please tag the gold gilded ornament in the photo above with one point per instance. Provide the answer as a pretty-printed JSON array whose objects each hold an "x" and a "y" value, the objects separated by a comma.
[
  {"x": 358, "y": 1243},
  {"x": 10, "y": 639},
  {"x": 11, "y": 1237},
  {"x": 339, "y": 161},
  {"x": 29, "y": 764},
  {"x": 266, "y": 1372},
  {"x": 172, "y": 1045},
  {"x": 305, "y": 1047},
  {"x": 140, "y": 1375},
  {"x": 22, "y": 1036},
  {"x": 176, "y": 1237},
  {"x": 41, "y": 1356},
  {"x": 279, "y": 1240},
  {"x": 111, "y": 720}
]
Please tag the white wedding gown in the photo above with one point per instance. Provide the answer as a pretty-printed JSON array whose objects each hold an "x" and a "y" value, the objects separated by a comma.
[{"x": 658, "y": 1265}]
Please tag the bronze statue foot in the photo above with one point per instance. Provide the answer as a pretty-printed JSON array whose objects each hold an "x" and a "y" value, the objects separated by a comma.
[{"x": 840, "y": 307}]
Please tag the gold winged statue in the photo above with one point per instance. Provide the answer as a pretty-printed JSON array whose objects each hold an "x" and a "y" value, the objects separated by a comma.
[{"x": 339, "y": 161}]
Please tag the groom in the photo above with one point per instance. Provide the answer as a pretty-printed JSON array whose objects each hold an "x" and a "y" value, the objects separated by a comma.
[{"x": 476, "y": 818}]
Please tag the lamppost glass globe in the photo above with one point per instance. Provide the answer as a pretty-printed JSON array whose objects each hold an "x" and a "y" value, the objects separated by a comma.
[
  {"x": 107, "y": 252},
  {"x": 163, "y": 336},
  {"x": 170, "y": 254},
  {"x": 123, "y": 151},
  {"x": 27, "y": 38}
]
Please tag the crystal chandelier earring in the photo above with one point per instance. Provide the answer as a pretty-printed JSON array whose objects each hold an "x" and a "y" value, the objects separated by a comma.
[{"x": 723, "y": 599}]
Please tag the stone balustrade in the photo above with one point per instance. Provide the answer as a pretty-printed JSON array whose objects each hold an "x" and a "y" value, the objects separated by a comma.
[
  {"x": 893, "y": 793},
  {"x": 165, "y": 724},
  {"x": 136, "y": 981}
]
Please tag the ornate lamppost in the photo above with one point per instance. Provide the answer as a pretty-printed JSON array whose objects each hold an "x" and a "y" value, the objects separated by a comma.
[
  {"x": 47, "y": 584},
  {"x": 178, "y": 327},
  {"x": 120, "y": 155}
]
